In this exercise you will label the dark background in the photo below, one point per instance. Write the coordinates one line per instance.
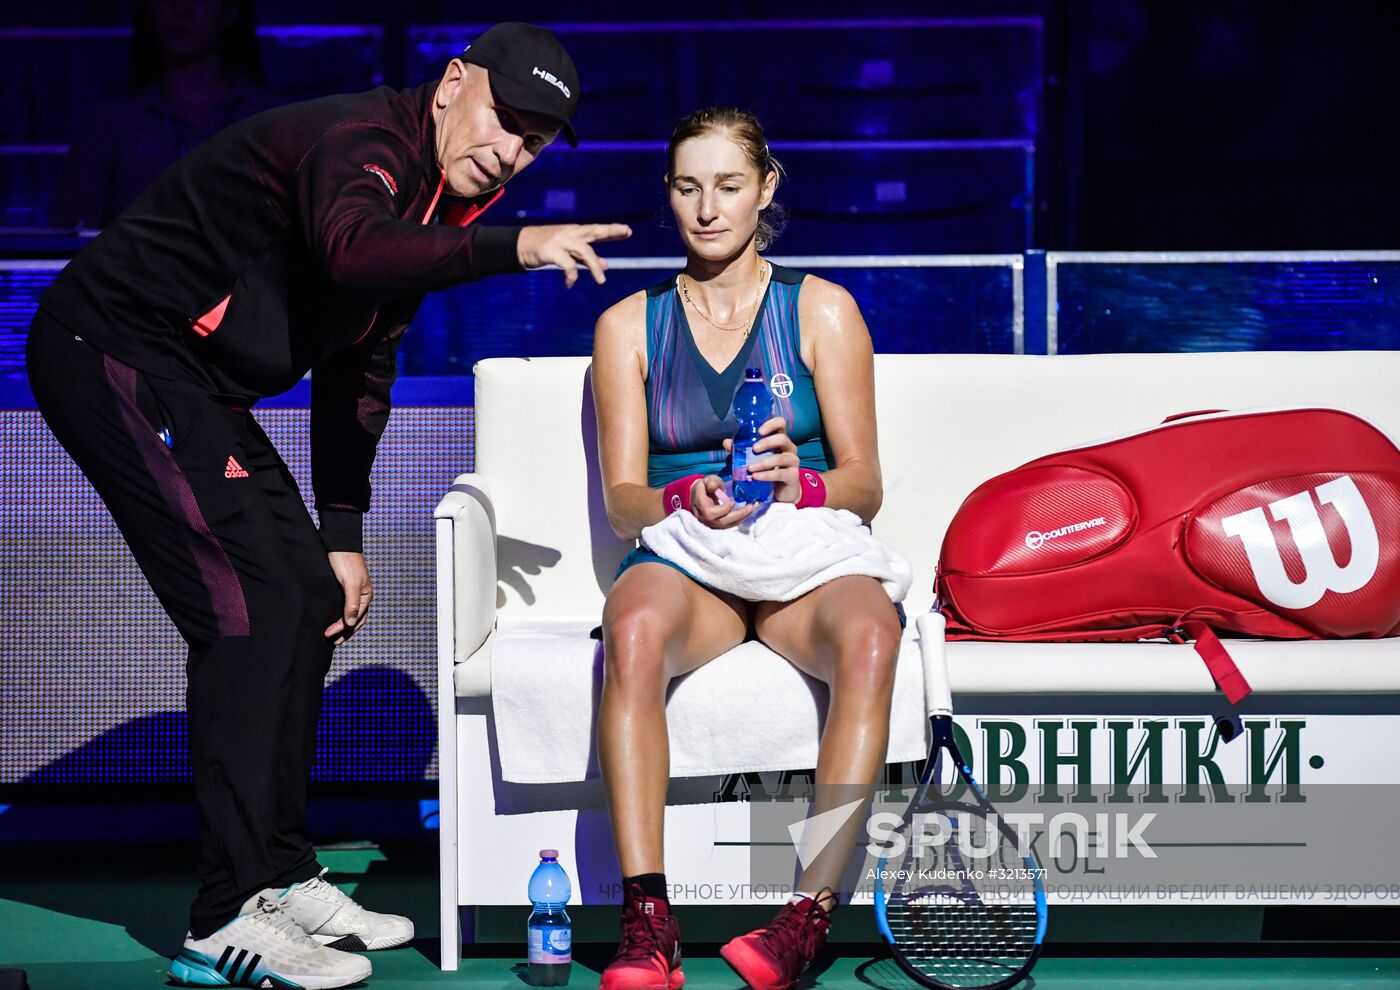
(1157, 125)
(1231, 125)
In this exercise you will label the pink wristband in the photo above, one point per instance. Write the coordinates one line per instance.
(677, 494)
(813, 489)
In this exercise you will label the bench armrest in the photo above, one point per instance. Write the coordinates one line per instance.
(465, 524)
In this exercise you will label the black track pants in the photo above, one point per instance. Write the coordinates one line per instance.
(219, 528)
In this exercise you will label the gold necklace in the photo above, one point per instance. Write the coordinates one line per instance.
(753, 310)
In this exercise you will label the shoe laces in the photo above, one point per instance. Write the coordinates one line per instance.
(270, 915)
(799, 927)
(323, 890)
(641, 932)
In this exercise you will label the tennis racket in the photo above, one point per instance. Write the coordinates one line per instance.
(962, 904)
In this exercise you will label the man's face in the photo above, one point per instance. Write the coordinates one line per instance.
(481, 143)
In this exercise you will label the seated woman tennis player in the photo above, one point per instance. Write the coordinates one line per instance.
(666, 365)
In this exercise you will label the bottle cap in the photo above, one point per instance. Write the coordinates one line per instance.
(753, 373)
(549, 854)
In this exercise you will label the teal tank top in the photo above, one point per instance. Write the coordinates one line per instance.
(690, 404)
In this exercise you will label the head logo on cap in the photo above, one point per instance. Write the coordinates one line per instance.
(549, 78)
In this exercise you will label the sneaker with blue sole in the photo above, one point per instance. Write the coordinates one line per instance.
(264, 948)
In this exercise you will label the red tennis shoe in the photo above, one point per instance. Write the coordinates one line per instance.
(773, 958)
(649, 957)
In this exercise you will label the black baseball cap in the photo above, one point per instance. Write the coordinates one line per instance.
(529, 70)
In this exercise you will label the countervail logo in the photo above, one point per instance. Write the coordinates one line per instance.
(1036, 539)
(550, 78)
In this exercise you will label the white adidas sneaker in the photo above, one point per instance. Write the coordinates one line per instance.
(265, 948)
(333, 919)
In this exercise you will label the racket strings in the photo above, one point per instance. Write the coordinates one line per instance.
(961, 917)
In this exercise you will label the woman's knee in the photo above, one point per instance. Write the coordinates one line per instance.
(867, 650)
(636, 639)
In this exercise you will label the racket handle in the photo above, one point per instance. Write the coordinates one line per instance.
(938, 695)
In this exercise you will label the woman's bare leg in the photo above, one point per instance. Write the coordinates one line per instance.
(846, 633)
(657, 624)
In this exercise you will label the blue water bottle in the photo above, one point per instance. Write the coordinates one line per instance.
(753, 406)
(551, 934)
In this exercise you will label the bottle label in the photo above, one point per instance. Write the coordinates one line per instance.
(754, 490)
(550, 944)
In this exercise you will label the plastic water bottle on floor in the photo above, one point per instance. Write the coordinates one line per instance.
(753, 406)
(550, 936)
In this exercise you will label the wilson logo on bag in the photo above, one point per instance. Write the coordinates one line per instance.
(1272, 523)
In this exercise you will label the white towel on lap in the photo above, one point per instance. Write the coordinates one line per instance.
(779, 553)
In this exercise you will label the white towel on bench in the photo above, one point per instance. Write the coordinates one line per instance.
(546, 679)
(779, 553)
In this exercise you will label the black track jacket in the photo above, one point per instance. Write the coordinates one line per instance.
(300, 239)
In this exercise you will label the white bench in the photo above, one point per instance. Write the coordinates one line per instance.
(525, 540)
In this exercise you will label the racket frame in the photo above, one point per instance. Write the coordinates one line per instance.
(938, 701)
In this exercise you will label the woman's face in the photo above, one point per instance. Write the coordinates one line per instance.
(716, 196)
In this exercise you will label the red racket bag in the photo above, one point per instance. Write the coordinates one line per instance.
(1279, 523)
